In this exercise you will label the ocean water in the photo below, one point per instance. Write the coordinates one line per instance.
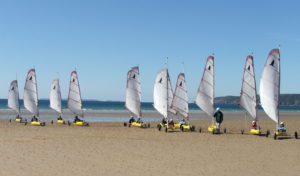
(119, 106)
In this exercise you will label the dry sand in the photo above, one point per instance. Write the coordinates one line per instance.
(111, 149)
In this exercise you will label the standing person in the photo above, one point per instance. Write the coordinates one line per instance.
(218, 117)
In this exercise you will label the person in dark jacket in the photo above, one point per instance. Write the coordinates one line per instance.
(218, 117)
(34, 119)
(131, 119)
(76, 119)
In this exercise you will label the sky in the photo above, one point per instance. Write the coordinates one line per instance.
(102, 40)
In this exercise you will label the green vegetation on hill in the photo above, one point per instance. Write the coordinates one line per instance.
(285, 99)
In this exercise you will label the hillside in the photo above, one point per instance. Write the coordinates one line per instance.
(285, 99)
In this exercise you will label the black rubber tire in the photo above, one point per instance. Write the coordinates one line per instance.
(125, 124)
(200, 130)
(159, 128)
(181, 128)
(213, 132)
(193, 128)
(296, 135)
(275, 136)
(242, 132)
(166, 130)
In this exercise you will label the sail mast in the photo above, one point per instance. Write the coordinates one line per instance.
(279, 82)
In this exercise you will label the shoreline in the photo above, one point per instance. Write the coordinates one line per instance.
(148, 116)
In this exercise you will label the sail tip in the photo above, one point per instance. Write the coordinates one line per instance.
(210, 58)
(181, 75)
(31, 70)
(14, 81)
(250, 57)
(276, 50)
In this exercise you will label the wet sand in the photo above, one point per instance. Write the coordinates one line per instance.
(112, 149)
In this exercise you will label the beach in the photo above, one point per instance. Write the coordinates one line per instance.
(109, 148)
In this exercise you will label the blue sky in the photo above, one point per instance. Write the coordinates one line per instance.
(103, 39)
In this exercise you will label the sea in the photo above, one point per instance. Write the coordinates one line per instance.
(148, 106)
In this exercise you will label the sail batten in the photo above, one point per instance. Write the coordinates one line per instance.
(74, 97)
(133, 92)
(31, 94)
(13, 100)
(163, 93)
(270, 85)
(55, 96)
(180, 98)
(205, 93)
(248, 91)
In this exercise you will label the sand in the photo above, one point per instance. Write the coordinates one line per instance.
(111, 149)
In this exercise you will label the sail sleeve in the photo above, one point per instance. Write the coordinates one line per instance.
(248, 92)
(133, 92)
(13, 96)
(205, 94)
(55, 96)
(180, 99)
(74, 98)
(270, 85)
(30, 93)
(162, 93)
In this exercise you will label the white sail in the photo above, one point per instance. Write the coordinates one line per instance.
(55, 96)
(248, 92)
(270, 85)
(205, 94)
(133, 92)
(74, 98)
(163, 94)
(180, 100)
(13, 97)
(31, 94)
